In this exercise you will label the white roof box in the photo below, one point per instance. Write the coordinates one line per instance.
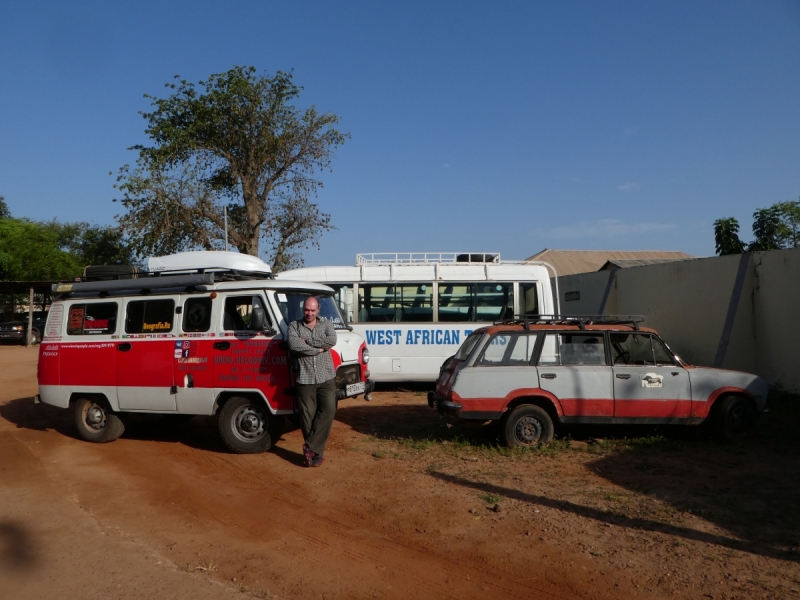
(208, 260)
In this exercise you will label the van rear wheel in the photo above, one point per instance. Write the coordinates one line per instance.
(247, 427)
(95, 422)
(526, 426)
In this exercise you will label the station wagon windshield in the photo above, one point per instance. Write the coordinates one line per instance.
(292, 308)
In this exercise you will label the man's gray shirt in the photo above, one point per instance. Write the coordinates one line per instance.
(304, 342)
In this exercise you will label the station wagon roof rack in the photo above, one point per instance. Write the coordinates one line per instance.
(580, 320)
(410, 258)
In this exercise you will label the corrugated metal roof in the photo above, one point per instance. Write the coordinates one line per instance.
(569, 262)
(618, 263)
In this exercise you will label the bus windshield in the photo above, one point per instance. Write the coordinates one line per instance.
(292, 308)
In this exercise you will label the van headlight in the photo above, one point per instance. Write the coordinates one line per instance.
(365, 355)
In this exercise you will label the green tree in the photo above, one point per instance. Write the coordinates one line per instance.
(32, 251)
(790, 222)
(235, 140)
(767, 229)
(4, 212)
(726, 237)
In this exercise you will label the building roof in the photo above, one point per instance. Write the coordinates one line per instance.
(570, 262)
(619, 263)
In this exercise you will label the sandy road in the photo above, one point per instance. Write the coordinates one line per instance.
(166, 512)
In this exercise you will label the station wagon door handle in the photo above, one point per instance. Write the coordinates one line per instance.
(548, 375)
(124, 347)
(222, 345)
(623, 376)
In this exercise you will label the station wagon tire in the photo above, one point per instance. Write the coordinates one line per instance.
(247, 426)
(734, 418)
(95, 421)
(526, 426)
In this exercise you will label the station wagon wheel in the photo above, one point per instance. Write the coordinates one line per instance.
(247, 426)
(527, 425)
(735, 418)
(96, 422)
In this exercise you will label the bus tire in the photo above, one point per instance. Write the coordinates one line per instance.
(526, 426)
(95, 421)
(247, 427)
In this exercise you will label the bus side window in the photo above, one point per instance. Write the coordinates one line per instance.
(530, 299)
(409, 303)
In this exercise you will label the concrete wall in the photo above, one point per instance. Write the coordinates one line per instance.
(738, 312)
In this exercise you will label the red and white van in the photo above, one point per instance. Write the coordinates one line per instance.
(203, 333)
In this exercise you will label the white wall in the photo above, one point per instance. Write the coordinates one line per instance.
(688, 302)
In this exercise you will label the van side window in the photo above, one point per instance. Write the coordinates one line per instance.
(197, 315)
(92, 319)
(239, 309)
(150, 316)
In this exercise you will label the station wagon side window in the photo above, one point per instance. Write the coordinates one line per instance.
(239, 310)
(568, 349)
(508, 349)
(638, 349)
(150, 316)
(197, 314)
(661, 354)
(92, 318)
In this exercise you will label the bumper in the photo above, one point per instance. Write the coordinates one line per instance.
(369, 387)
(442, 405)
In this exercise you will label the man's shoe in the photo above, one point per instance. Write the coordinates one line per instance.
(308, 455)
(317, 460)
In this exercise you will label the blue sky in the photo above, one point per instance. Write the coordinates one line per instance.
(503, 127)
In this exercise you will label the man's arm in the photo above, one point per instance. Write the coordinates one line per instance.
(329, 340)
(297, 344)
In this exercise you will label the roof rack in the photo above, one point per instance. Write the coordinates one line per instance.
(580, 320)
(407, 258)
(138, 284)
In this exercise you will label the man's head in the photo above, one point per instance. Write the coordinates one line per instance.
(310, 310)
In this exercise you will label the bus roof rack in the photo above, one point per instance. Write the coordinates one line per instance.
(580, 320)
(408, 258)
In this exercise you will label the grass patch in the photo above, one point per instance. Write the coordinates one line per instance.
(491, 498)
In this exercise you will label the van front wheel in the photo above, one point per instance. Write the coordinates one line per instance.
(95, 422)
(247, 427)
(527, 425)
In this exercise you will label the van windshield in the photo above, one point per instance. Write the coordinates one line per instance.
(292, 308)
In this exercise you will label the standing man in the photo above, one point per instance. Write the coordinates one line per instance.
(311, 340)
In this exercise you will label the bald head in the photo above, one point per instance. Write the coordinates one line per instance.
(310, 310)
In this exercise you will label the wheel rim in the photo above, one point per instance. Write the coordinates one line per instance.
(528, 430)
(94, 417)
(249, 424)
(739, 418)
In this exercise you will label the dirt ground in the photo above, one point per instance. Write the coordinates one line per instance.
(404, 507)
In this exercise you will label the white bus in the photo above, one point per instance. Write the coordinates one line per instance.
(415, 309)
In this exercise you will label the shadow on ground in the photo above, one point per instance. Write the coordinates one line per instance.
(198, 432)
(750, 489)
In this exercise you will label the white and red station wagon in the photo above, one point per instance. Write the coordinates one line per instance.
(202, 333)
(535, 374)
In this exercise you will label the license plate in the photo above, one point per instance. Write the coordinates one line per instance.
(355, 388)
